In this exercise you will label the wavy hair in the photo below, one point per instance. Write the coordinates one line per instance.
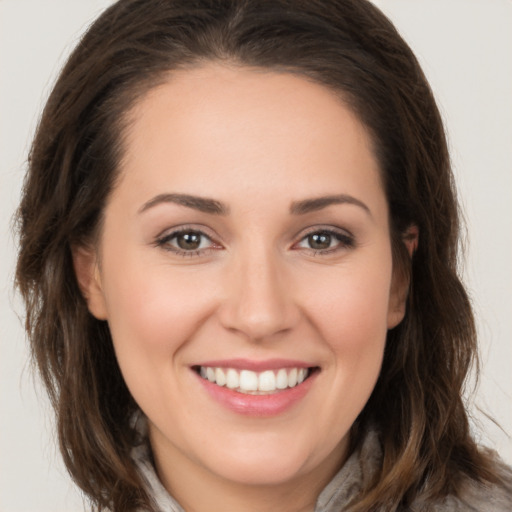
(348, 46)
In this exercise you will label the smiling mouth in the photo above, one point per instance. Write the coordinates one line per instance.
(255, 383)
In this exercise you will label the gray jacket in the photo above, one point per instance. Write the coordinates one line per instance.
(348, 482)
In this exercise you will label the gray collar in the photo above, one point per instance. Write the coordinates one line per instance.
(345, 485)
(355, 474)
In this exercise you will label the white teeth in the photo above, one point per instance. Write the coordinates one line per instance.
(232, 380)
(247, 381)
(267, 381)
(282, 379)
(210, 374)
(220, 377)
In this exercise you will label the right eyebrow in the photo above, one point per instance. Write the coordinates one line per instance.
(203, 204)
(318, 203)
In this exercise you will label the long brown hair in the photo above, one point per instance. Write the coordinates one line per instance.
(346, 45)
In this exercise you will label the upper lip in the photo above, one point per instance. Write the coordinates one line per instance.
(254, 365)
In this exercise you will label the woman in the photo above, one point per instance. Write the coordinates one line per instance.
(238, 255)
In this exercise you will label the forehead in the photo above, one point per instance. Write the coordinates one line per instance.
(221, 126)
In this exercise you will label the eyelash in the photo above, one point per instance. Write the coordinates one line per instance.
(344, 239)
(165, 242)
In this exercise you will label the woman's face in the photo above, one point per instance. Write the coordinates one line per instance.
(246, 248)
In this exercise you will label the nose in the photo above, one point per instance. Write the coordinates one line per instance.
(259, 300)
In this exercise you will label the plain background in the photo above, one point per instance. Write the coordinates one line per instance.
(465, 47)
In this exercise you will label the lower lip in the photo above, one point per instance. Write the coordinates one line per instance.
(258, 405)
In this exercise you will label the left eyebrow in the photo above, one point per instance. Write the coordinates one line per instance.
(319, 203)
(203, 204)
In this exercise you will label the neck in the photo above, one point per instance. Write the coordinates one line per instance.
(197, 489)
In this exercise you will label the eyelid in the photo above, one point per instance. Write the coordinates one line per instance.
(323, 228)
(346, 238)
(180, 228)
(162, 240)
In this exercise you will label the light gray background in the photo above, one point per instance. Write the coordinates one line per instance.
(465, 47)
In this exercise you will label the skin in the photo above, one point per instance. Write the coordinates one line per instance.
(257, 142)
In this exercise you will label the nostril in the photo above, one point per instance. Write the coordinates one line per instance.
(257, 301)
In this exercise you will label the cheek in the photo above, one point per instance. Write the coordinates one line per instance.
(350, 307)
(351, 317)
(352, 321)
(152, 313)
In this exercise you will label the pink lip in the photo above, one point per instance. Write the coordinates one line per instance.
(257, 405)
(256, 366)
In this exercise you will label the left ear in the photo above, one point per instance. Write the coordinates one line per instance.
(85, 262)
(401, 280)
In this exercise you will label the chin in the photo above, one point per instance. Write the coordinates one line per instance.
(261, 463)
(266, 471)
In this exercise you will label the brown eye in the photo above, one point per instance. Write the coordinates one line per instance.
(186, 242)
(319, 241)
(326, 241)
(189, 241)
